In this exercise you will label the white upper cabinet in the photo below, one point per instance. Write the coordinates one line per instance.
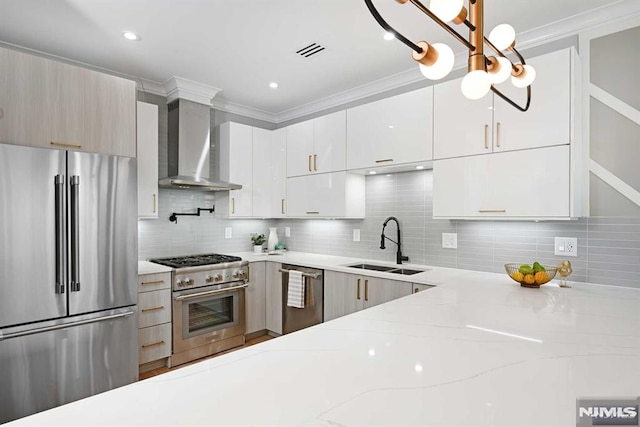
(261, 173)
(391, 131)
(317, 146)
(46, 103)
(236, 160)
(463, 127)
(147, 154)
(326, 195)
(279, 173)
(524, 184)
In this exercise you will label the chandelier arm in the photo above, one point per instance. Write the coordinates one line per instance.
(469, 25)
(513, 49)
(443, 24)
(499, 52)
(390, 29)
(513, 104)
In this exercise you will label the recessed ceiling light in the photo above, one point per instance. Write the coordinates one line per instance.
(130, 35)
(419, 167)
(389, 36)
(273, 85)
(372, 172)
(391, 126)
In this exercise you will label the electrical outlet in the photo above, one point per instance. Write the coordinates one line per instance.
(356, 234)
(287, 232)
(565, 246)
(228, 233)
(450, 240)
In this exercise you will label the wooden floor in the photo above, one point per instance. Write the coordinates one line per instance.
(159, 371)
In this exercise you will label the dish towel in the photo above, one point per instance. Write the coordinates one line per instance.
(295, 295)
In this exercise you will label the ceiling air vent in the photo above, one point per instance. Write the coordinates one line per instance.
(310, 50)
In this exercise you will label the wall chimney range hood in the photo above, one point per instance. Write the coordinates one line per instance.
(189, 149)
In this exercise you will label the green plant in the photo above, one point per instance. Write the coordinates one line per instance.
(258, 239)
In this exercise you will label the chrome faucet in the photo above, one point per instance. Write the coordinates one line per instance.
(399, 256)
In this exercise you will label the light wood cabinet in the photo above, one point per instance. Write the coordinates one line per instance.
(327, 195)
(317, 146)
(525, 184)
(347, 293)
(392, 131)
(255, 297)
(147, 155)
(274, 297)
(463, 127)
(45, 103)
(154, 320)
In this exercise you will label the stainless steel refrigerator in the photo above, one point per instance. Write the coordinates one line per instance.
(68, 277)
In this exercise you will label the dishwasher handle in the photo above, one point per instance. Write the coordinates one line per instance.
(311, 275)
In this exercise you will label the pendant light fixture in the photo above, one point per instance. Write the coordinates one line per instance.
(437, 60)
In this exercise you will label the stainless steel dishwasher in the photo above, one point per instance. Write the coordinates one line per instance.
(294, 319)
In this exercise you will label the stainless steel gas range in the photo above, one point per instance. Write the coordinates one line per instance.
(208, 304)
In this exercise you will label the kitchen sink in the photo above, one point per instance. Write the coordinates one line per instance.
(386, 269)
(372, 267)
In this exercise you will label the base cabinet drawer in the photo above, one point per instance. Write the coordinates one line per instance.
(153, 282)
(154, 343)
(155, 308)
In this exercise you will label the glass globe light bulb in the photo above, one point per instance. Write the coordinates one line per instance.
(526, 78)
(502, 36)
(447, 10)
(503, 72)
(442, 66)
(475, 84)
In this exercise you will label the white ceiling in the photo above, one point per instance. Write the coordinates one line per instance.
(240, 46)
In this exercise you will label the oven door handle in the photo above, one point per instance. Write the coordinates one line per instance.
(208, 293)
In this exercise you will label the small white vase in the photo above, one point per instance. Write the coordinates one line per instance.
(257, 249)
(273, 239)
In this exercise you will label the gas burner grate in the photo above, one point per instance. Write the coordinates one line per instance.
(195, 260)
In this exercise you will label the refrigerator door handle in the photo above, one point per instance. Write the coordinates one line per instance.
(65, 325)
(59, 230)
(75, 233)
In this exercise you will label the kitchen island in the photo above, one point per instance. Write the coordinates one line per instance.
(476, 350)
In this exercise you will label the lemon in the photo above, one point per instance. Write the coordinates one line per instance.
(529, 279)
(517, 276)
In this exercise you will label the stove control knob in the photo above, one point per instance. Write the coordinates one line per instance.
(217, 278)
(209, 279)
(188, 281)
(180, 282)
(238, 274)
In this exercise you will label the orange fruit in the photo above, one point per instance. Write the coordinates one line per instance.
(517, 276)
(529, 279)
(541, 277)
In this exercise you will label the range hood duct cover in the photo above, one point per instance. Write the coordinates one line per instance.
(189, 149)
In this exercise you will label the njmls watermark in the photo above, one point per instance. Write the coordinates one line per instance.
(607, 412)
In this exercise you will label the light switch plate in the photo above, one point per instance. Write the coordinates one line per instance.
(565, 246)
(356, 234)
(228, 233)
(450, 240)
(287, 232)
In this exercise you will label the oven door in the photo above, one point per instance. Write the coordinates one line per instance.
(204, 315)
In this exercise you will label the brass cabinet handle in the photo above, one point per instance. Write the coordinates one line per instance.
(358, 291)
(153, 344)
(310, 170)
(498, 134)
(384, 160)
(366, 290)
(66, 144)
(282, 206)
(315, 162)
(416, 290)
(313, 213)
(154, 203)
(233, 205)
(486, 137)
(145, 310)
(155, 282)
(492, 210)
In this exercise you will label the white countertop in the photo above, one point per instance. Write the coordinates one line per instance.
(418, 360)
(146, 267)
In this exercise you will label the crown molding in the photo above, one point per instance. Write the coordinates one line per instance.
(151, 86)
(179, 87)
(243, 110)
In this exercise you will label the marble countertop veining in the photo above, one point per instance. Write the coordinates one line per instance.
(479, 350)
